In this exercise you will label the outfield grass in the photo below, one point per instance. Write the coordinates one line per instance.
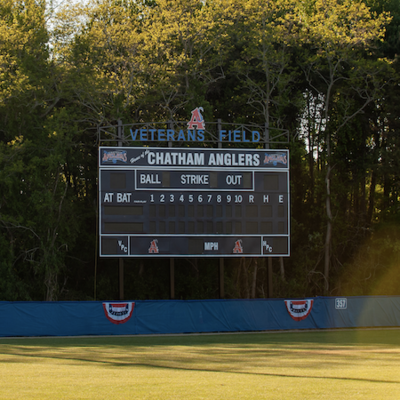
(351, 364)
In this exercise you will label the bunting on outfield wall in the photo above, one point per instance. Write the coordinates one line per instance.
(299, 309)
(77, 318)
(118, 313)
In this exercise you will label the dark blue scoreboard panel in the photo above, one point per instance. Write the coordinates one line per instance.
(171, 202)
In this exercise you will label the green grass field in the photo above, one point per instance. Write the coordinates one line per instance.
(351, 364)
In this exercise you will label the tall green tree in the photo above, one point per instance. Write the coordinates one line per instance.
(37, 215)
(269, 31)
(186, 41)
(337, 33)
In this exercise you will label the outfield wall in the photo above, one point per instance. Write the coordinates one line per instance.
(174, 316)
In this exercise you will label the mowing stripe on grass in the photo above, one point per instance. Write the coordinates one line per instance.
(350, 364)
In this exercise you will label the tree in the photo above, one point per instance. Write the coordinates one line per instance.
(186, 41)
(269, 31)
(336, 32)
(37, 217)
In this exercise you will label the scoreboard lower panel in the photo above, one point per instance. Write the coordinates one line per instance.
(193, 202)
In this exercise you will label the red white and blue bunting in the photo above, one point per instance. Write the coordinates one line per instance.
(299, 309)
(118, 313)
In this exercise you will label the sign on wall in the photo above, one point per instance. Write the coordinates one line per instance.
(181, 202)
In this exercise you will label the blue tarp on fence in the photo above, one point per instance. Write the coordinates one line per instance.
(173, 316)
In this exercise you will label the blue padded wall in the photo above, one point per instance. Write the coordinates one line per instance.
(163, 317)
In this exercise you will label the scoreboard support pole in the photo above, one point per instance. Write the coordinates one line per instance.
(221, 279)
(269, 262)
(269, 272)
(221, 266)
(172, 278)
(121, 278)
(171, 260)
(120, 260)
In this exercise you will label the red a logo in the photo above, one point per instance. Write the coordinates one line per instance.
(238, 247)
(196, 119)
(153, 249)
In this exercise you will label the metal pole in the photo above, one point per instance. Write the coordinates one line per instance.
(121, 278)
(172, 278)
(171, 260)
(120, 260)
(269, 264)
(221, 260)
(221, 278)
(270, 286)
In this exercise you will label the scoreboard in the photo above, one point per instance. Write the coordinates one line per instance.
(193, 202)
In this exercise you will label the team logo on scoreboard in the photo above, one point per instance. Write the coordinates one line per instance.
(118, 313)
(196, 119)
(153, 249)
(275, 159)
(299, 309)
(114, 156)
(238, 249)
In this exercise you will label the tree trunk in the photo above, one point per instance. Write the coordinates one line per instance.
(328, 229)
(239, 272)
(371, 199)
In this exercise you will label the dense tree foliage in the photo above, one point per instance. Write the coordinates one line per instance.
(326, 70)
